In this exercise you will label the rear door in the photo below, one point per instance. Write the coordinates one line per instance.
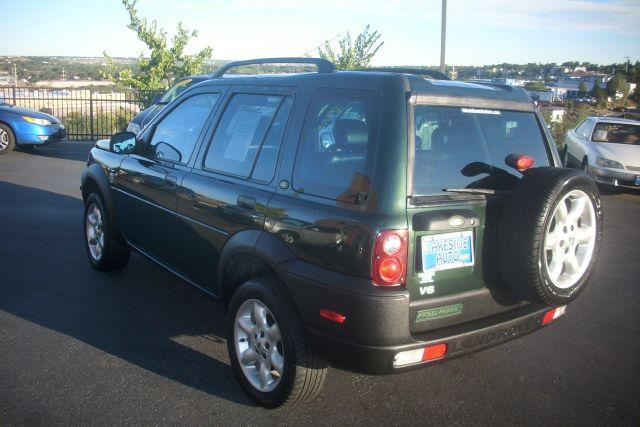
(452, 263)
(229, 189)
(147, 182)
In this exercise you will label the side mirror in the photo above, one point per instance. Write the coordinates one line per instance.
(123, 143)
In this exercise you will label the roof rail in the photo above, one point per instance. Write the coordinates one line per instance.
(436, 75)
(323, 65)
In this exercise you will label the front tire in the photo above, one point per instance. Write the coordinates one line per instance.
(103, 249)
(267, 347)
(7, 139)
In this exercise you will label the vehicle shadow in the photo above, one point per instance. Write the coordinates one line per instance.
(140, 314)
(77, 150)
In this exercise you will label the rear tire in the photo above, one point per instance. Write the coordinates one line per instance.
(269, 353)
(102, 246)
(549, 235)
(7, 139)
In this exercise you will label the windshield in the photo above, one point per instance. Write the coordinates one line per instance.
(175, 90)
(467, 147)
(617, 133)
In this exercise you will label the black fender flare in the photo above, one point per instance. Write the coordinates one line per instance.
(257, 243)
(96, 175)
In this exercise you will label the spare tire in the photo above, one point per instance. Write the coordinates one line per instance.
(549, 235)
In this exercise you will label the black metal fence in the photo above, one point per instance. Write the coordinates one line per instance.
(88, 114)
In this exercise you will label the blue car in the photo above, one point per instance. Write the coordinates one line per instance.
(145, 116)
(25, 127)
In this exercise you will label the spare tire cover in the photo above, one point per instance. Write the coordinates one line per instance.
(549, 235)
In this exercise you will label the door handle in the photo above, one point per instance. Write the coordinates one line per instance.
(170, 180)
(246, 202)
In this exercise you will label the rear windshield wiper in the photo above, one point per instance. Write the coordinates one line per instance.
(486, 191)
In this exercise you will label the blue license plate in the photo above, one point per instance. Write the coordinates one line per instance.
(447, 251)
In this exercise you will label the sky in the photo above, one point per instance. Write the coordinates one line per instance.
(479, 32)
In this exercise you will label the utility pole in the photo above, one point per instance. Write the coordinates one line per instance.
(626, 68)
(443, 34)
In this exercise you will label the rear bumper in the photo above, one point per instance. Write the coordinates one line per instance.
(378, 326)
(460, 340)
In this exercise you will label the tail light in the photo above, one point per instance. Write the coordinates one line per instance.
(519, 162)
(553, 314)
(389, 259)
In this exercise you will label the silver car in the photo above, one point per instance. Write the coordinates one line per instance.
(606, 148)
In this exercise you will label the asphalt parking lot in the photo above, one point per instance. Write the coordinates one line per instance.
(78, 346)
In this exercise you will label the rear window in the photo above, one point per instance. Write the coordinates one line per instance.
(467, 147)
(617, 133)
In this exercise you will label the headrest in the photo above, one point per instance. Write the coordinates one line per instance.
(349, 133)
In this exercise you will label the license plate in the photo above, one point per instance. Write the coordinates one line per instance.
(637, 179)
(447, 251)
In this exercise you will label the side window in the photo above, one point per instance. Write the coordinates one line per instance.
(175, 136)
(335, 155)
(240, 133)
(583, 129)
(266, 163)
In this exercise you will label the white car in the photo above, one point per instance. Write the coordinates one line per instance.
(606, 148)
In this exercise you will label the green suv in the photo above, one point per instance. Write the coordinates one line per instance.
(380, 220)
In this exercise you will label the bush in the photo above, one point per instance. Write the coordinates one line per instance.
(104, 124)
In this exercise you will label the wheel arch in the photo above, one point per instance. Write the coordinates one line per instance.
(94, 180)
(13, 131)
(249, 254)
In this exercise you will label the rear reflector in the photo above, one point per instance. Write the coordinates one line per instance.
(552, 315)
(332, 315)
(427, 354)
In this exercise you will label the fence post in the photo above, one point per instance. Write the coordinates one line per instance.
(91, 113)
(14, 93)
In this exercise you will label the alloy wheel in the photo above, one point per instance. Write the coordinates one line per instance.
(4, 139)
(259, 345)
(570, 238)
(94, 231)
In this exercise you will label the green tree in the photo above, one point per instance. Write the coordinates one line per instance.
(599, 94)
(617, 84)
(353, 54)
(165, 63)
(535, 86)
(582, 88)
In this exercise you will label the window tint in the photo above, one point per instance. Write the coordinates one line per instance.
(177, 133)
(240, 132)
(617, 133)
(466, 148)
(337, 146)
(266, 162)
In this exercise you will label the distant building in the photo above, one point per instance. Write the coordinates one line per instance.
(540, 96)
(557, 113)
(5, 79)
(567, 85)
(73, 83)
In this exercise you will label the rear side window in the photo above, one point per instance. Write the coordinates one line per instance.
(335, 154)
(241, 133)
(175, 136)
(466, 148)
